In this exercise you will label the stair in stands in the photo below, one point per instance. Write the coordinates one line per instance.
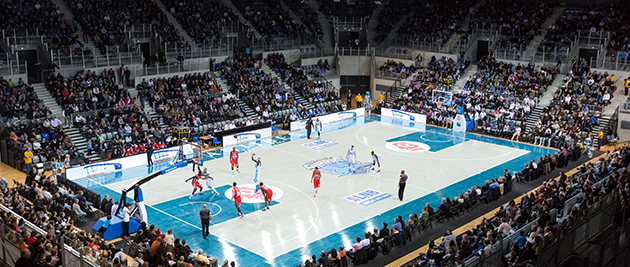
(80, 142)
(305, 102)
(329, 38)
(241, 18)
(394, 32)
(70, 19)
(533, 117)
(175, 23)
(463, 77)
(48, 99)
(533, 45)
(293, 16)
(371, 27)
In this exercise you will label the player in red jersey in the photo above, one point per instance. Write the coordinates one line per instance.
(234, 159)
(195, 183)
(236, 195)
(267, 194)
(315, 180)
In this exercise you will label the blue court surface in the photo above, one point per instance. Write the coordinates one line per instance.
(439, 163)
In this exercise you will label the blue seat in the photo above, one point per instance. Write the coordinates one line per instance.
(45, 136)
(215, 141)
(196, 139)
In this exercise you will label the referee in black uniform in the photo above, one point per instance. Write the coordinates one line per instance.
(205, 217)
(149, 153)
(309, 127)
(401, 184)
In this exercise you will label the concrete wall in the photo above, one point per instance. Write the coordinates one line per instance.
(16, 77)
(289, 55)
(313, 61)
(355, 65)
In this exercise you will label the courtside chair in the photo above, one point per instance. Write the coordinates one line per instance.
(215, 141)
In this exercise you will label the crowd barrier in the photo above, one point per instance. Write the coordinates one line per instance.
(415, 117)
(10, 243)
(330, 118)
(120, 164)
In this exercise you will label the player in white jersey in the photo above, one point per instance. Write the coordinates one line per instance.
(376, 160)
(258, 163)
(209, 179)
(318, 128)
(351, 157)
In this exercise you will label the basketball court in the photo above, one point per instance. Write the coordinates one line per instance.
(439, 164)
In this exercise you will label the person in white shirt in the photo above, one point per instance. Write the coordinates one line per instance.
(125, 221)
(516, 134)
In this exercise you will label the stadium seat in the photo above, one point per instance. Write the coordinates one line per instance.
(215, 141)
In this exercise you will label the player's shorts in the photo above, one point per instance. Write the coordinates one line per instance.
(237, 202)
(197, 184)
(351, 159)
(209, 182)
(234, 162)
(316, 183)
(269, 195)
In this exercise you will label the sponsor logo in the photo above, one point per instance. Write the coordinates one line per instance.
(401, 114)
(100, 168)
(367, 197)
(408, 146)
(243, 137)
(163, 154)
(346, 115)
(338, 165)
(249, 194)
(319, 144)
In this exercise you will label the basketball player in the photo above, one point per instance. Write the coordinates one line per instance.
(236, 195)
(317, 175)
(267, 194)
(234, 159)
(195, 183)
(376, 160)
(258, 163)
(351, 157)
(318, 128)
(206, 175)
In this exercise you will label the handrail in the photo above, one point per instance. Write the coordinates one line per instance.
(66, 248)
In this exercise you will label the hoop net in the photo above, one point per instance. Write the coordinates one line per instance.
(191, 152)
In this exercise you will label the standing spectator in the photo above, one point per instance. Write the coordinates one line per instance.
(205, 217)
(149, 153)
(401, 184)
(349, 99)
(28, 159)
(125, 221)
(358, 99)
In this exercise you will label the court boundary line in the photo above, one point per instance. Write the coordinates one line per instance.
(434, 158)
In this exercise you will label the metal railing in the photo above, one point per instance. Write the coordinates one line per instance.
(188, 65)
(349, 23)
(539, 57)
(13, 67)
(90, 58)
(10, 252)
(596, 39)
(26, 37)
(282, 44)
(425, 44)
(212, 51)
(143, 31)
(395, 52)
(349, 51)
(611, 63)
